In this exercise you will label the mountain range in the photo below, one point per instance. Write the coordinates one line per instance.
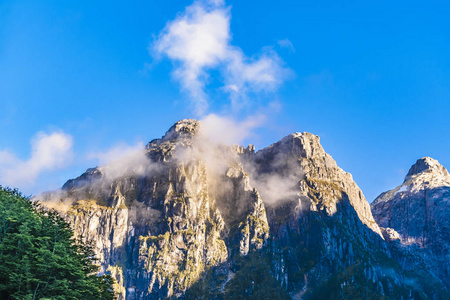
(189, 218)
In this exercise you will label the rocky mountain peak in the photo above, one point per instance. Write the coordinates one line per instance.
(428, 166)
(303, 144)
(180, 135)
(295, 145)
(186, 128)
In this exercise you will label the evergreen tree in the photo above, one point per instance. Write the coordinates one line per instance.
(40, 258)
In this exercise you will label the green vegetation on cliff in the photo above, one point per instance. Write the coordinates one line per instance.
(39, 257)
(254, 280)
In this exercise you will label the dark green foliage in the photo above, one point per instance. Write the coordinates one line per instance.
(348, 284)
(39, 257)
(254, 280)
(352, 284)
(209, 285)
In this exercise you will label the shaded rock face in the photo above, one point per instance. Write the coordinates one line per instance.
(320, 180)
(187, 218)
(417, 214)
(324, 242)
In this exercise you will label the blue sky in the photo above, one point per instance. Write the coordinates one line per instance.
(81, 82)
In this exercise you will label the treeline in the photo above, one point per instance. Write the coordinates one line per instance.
(40, 258)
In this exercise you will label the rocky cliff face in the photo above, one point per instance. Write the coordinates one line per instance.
(415, 217)
(187, 218)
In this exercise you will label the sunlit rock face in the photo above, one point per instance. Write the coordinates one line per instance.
(186, 218)
(419, 212)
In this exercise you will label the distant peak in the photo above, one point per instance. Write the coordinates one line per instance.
(426, 165)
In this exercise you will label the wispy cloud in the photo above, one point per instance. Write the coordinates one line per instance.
(123, 159)
(114, 153)
(286, 43)
(199, 40)
(227, 130)
(49, 152)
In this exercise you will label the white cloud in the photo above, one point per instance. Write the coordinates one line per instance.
(117, 152)
(123, 159)
(199, 40)
(226, 130)
(48, 152)
(196, 40)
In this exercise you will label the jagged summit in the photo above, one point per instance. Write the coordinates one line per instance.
(181, 134)
(184, 128)
(427, 173)
(299, 143)
(426, 165)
